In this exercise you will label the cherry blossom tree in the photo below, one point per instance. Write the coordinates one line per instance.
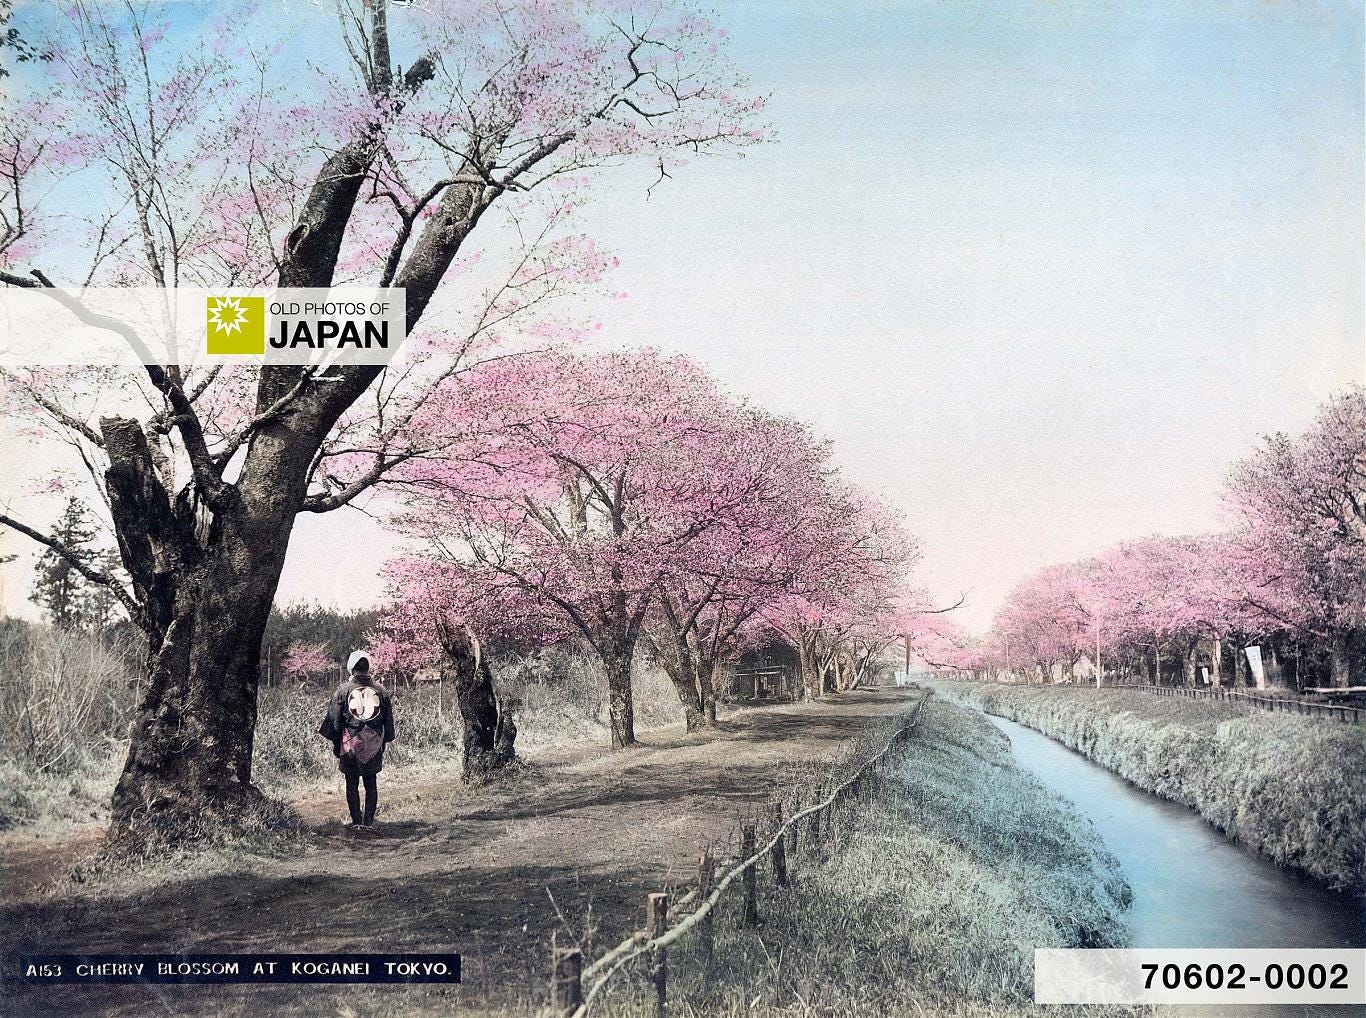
(440, 619)
(618, 497)
(1293, 570)
(853, 579)
(1165, 594)
(885, 618)
(756, 552)
(943, 643)
(1043, 621)
(1162, 596)
(1300, 546)
(578, 492)
(189, 171)
(306, 660)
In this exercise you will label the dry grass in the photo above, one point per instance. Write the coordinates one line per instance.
(68, 699)
(1292, 788)
(65, 702)
(939, 885)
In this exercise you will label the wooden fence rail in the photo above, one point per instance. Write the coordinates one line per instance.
(569, 975)
(1351, 715)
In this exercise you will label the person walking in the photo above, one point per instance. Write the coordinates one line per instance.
(359, 723)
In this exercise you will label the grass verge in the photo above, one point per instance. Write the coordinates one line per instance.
(929, 898)
(1288, 787)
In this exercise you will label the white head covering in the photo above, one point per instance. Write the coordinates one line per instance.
(357, 656)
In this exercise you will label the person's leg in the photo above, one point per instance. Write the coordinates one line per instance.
(371, 797)
(353, 796)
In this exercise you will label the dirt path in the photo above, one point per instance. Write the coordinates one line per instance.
(577, 836)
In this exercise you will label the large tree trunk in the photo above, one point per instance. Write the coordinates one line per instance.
(811, 673)
(706, 685)
(1216, 659)
(205, 563)
(616, 661)
(489, 731)
(208, 589)
(685, 670)
(1340, 660)
(694, 719)
(685, 685)
(699, 707)
(823, 681)
(1239, 665)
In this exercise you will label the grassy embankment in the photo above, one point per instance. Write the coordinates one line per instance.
(939, 885)
(1292, 788)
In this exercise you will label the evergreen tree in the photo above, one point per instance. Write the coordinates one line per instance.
(64, 595)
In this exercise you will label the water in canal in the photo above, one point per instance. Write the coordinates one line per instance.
(1192, 886)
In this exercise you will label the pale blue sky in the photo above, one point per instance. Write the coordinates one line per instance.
(1041, 270)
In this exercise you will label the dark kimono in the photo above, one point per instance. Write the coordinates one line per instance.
(359, 704)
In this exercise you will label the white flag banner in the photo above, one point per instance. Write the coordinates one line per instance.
(1254, 661)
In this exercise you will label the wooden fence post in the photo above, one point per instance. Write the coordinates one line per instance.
(792, 832)
(706, 883)
(566, 978)
(656, 925)
(751, 878)
(779, 852)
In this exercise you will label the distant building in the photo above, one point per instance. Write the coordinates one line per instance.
(770, 672)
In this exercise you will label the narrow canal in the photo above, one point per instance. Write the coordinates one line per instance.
(1192, 886)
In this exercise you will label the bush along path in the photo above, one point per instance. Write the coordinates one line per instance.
(1291, 788)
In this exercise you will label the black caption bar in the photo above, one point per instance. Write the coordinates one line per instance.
(96, 969)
